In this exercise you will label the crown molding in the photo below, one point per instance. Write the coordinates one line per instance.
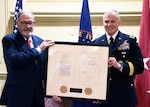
(126, 17)
(80, 0)
(76, 15)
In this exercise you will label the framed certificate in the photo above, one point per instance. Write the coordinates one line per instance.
(77, 71)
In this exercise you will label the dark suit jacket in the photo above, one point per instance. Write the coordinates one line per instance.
(122, 91)
(24, 77)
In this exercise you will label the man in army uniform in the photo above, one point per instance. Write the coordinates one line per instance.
(125, 62)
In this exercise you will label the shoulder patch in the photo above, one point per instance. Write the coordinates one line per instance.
(132, 36)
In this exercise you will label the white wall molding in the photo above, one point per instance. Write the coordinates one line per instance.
(75, 16)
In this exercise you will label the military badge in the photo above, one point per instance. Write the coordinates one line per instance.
(124, 46)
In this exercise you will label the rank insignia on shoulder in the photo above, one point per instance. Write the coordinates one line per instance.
(124, 46)
(132, 36)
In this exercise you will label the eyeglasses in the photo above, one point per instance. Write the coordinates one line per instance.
(24, 23)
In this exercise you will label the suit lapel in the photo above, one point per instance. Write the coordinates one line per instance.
(21, 43)
(104, 40)
(35, 41)
(118, 41)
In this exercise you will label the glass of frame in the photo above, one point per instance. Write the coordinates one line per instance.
(77, 71)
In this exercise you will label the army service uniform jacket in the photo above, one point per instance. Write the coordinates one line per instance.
(122, 91)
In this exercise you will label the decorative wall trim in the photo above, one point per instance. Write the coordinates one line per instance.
(81, 0)
(75, 16)
(68, 23)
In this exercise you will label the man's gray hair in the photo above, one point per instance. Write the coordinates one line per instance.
(22, 12)
(112, 12)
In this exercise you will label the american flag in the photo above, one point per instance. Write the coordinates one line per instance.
(18, 8)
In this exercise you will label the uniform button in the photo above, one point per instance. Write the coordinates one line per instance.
(110, 78)
(131, 85)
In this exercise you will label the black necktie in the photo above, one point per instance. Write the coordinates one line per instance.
(111, 41)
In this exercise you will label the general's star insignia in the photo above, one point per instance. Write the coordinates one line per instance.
(145, 63)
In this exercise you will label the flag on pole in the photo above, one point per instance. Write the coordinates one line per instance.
(143, 80)
(85, 31)
(18, 8)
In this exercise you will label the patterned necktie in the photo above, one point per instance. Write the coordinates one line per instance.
(30, 46)
(29, 42)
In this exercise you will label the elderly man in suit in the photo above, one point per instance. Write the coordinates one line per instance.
(25, 64)
(125, 62)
